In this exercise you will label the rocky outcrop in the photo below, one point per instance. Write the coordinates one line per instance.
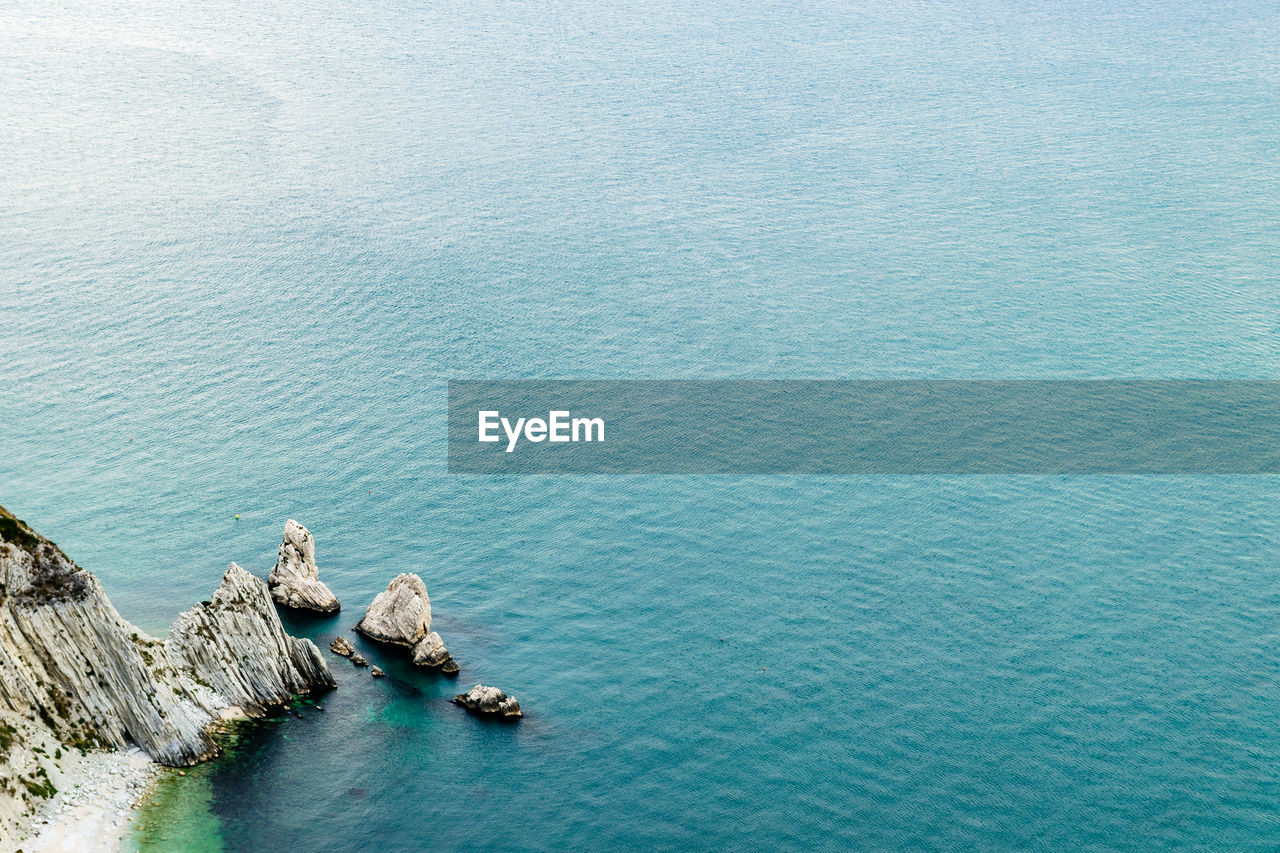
(235, 645)
(73, 672)
(68, 659)
(489, 702)
(432, 654)
(401, 616)
(377, 672)
(295, 580)
(342, 646)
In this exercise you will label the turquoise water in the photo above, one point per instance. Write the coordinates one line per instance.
(242, 250)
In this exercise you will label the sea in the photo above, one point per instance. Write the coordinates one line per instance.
(244, 247)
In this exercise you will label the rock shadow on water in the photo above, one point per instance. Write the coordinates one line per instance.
(278, 773)
(307, 623)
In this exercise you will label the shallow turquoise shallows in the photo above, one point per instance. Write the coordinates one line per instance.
(243, 247)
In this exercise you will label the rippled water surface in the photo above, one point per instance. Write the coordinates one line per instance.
(242, 248)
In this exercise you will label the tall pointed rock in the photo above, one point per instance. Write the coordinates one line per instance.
(295, 580)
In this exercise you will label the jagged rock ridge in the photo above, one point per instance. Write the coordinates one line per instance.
(235, 645)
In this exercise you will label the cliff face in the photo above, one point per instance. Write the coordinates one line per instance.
(75, 674)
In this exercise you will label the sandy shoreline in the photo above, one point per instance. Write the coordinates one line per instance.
(93, 809)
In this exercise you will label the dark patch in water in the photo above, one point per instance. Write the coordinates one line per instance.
(305, 623)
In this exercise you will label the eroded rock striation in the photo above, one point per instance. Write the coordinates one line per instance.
(401, 616)
(295, 580)
(75, 674)
(235, 645)
(489, 702)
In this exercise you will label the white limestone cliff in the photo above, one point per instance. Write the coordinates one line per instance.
(295, 580)
(75, 675)
(235, 645)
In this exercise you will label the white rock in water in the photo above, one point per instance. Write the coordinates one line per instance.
(295, 580)
(401, 615)
(432, 654)
(489, 701)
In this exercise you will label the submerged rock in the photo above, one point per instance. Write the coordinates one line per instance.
(295, 580)
(401, 615)
(489, 702)
(342, 646)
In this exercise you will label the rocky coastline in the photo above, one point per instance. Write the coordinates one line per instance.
(76, 678)
(91, 707)
(96, 804)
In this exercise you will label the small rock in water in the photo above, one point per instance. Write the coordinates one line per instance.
(489, 701)
(342, 646)
(432, 654)
(377, 672)
(358, 659)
